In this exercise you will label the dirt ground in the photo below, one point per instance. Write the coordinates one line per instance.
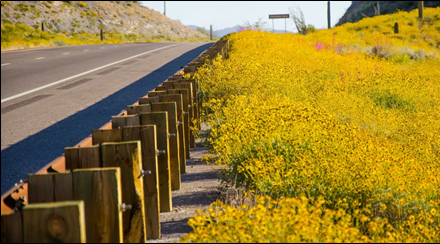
(199, 188)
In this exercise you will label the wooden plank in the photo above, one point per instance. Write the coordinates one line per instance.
(100, 189)
(160, 88)
(185, 99)
(148, 100)
(168, 84)
(137, 109)
(177, 98)
(82, 157)
(101, 136)
(147, 135)
(170, 108)
(52, 187)
(127, 156)
(61, 222)
(160, 119)
(127, 120)
(186, 116)
(156, 93)
(196, 102)
(12, 228)
(188, 86)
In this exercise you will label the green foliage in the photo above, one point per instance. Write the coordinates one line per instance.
(390, 100)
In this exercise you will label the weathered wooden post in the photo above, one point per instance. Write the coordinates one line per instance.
(186, 122)
(12, 228)
(160, 119)
(191, 106)
(170, 108)
(127, 156)
(128, 120)
(58, 222)
(82, 157)
(420, 6)
(137, 109)
(101, 136)
(177, 98)
(396, 28)
(46, 188)
(146, 134)
(100, 189)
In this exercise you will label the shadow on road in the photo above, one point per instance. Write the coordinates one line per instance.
(36, 151)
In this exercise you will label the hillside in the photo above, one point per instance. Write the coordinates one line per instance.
(127, 20)
(361, 9)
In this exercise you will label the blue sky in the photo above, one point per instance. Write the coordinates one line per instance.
(222, 14)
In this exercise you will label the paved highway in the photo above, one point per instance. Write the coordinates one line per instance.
(53, 98)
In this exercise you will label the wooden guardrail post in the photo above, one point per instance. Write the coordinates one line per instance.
(188, 86)
(128, 120)
(177, 98)
(127, 156)
(101, 136)
(82, 157)
(160, 120)
(160, 88)
(12, 228)
(156, 93)
(148, 100)
(100, 189)
(173, 135)
(60, 222)
(197, 106)
(185, 102)
(53, 187)
(137, 109)
(146, 134)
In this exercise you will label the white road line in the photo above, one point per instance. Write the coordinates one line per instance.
(65, 53)
(6, 64)
(40, 58)
(78, 75)
(86, 50)
(102, 47)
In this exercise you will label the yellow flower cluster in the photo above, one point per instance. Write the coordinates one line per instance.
(346, 144)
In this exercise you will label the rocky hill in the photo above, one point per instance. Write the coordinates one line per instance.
(361, 9)
(123, 17)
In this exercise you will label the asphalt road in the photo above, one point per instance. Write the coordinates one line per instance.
(53, 98)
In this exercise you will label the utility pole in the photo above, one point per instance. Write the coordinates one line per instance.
(328, 15)
(420, 6)
(164, 8)
(210, 32)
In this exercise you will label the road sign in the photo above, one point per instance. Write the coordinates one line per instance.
(278, 16)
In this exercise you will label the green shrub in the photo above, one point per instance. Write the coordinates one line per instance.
(389, 100)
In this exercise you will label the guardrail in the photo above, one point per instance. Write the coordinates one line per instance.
(112, 185)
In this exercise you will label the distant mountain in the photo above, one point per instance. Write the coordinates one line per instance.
(361, 9)
(225, 31)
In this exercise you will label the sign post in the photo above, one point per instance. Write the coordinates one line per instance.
(279, 16)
